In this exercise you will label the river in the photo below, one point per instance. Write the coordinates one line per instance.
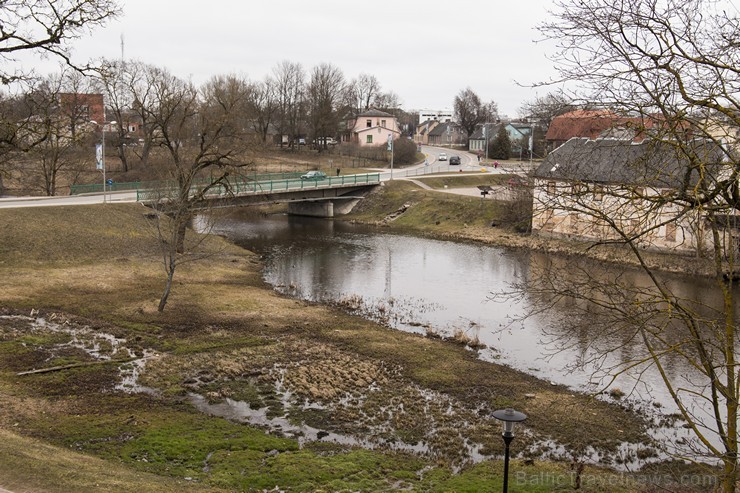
(447, 289)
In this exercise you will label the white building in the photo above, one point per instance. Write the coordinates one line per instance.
(435, 115)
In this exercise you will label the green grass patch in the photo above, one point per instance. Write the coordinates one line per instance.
(307, 471)
(465, 180)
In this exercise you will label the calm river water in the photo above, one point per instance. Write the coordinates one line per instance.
(425, 285)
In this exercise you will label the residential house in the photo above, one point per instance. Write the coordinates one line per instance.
(446, 134)
(371, 128)
(585, 184)
(483, 133)
(518, 134)
(421, 135)
(723, 129)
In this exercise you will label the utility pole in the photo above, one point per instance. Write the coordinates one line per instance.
(485, 138)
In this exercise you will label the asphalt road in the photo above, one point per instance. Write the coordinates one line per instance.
(86, 199)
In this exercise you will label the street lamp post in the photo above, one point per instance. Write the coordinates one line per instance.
(509, 417)
(485, 138)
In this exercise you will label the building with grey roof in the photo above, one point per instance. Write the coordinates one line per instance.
(608, 190)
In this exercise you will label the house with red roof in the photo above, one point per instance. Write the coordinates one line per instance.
(590, 124)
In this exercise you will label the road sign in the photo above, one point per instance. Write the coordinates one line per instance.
(98, 156)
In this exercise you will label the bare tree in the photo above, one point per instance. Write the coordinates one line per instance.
(470, 111)
(361, 92)
(290, 80)
(204, 139)
(324, 93)
(541, 110)
(387, 101)
(672, 68)
(53, 135)
(47, 27)
(114, 76)
(262, 106)
(141, 79)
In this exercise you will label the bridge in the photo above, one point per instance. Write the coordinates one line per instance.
(327, 197)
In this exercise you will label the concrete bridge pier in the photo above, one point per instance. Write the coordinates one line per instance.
(336, 206)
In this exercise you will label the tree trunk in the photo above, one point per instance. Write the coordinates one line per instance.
(167, 287)
(122, 157)
(182, 227)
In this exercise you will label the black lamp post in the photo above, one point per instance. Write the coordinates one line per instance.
(509, 417)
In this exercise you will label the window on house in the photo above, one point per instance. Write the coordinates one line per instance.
(670, 232)
(369, 123)
(551, 187)
(598, 193)
(574, 223)
(369, 139)
(382, 123)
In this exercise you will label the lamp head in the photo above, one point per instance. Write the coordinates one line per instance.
(509, 418)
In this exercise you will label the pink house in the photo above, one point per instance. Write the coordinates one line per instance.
(373, 127)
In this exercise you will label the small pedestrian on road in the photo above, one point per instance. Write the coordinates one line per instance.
(495, 164)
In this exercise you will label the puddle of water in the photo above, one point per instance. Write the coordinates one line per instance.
(98, 345)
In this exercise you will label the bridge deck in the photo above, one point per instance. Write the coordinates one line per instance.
(239, 188)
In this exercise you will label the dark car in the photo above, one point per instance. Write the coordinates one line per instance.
(455, 160)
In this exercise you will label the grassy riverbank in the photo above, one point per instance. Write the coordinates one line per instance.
(94, 270)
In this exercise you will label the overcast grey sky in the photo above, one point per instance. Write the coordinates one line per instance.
(424, 51)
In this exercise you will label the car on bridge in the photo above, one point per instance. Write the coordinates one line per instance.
(314, 176)
(454, 160)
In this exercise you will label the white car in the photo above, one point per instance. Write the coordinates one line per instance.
(442, 157)
(330, 141)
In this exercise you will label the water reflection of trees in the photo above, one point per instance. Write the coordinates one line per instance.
(627, 333)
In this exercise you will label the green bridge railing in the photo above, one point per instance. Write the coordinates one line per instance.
(109, 187)
(245, 186)
(144, 185)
